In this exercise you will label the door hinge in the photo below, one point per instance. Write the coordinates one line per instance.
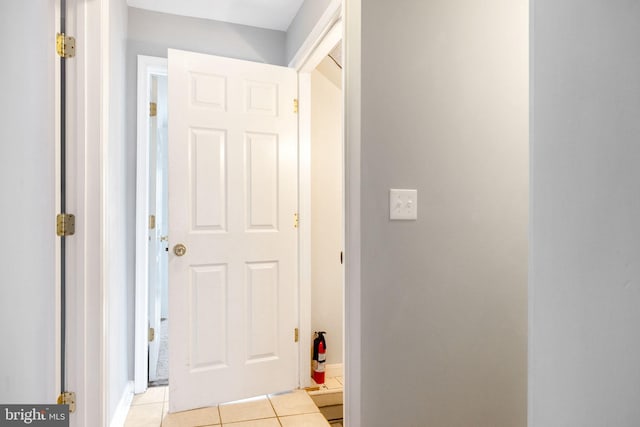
(68, 398)
(296, 335)
(152, 334)
(65, 225)
(296, 220)
(153, 109)
(65, 45)
(152, 222)
(295, 106)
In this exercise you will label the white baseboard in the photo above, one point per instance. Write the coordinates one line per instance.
(120, 414)
(333, 370)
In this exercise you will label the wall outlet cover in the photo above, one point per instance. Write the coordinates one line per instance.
(403, 204)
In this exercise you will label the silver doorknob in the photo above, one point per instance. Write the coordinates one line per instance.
(179, 249)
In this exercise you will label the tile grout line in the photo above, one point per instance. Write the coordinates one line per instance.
(274, 410)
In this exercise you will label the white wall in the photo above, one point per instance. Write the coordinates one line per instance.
(118, 262)
(585, 235)
(326, 213)
(27, 186)
(444, 298)
(302, 24)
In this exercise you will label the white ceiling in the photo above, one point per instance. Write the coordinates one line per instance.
(272, 14)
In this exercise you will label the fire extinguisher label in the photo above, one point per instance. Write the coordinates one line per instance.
(318, 366)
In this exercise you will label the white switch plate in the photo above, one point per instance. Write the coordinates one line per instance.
(403, 204)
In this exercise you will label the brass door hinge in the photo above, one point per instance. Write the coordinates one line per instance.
(152, 334)
(152, 222)
(296, 220)
(153, 109)
(296, 335)
(295, 106)
(65, 225)
(65, 45)
(68, 398)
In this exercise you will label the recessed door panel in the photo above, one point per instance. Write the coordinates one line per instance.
(262, 98)
(209, 179)
(262, 303)
(262, 181)
(208, 312)
(209, 91)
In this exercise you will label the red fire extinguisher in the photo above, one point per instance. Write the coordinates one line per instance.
(319, 357)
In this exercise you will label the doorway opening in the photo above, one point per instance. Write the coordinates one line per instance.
(327, 225)
(311, 319)
(151, 313)
(158, 233)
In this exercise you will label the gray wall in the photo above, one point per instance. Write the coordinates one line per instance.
(151, 33)
(27, 257)
(444, 298)
(585, 269)
(302, 24)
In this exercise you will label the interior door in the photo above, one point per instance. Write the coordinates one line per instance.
(233, 300)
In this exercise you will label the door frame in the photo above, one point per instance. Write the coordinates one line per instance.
(87, 104)
(87, 117)
(341, 20)
(329, 29)
(327, 33)
(351, 92)
(148, 66)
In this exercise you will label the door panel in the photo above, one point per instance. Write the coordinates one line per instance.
(209, 179)
(233, 196)
(262, 181)
(208, 291)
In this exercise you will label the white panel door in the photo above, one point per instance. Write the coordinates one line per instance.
(233, 299)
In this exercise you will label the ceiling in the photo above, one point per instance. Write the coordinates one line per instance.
(271, 14)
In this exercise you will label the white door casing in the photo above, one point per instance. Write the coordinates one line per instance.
(232, 200)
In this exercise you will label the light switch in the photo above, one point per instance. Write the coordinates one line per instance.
(403, 204)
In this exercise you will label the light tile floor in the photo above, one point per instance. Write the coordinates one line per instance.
(332, 383)
(327, 393)
(292, 409)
